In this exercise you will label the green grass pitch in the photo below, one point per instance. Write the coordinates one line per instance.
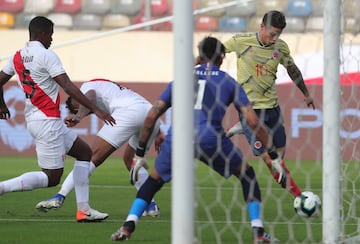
(111, 192)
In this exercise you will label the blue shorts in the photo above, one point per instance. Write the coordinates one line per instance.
(273, 120)
(224, 157)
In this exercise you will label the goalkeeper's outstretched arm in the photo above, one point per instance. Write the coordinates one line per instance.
(154, 113)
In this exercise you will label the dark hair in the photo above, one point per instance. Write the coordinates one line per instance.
(70, 106)
(211, 49)
(39, 24)
(274, 19)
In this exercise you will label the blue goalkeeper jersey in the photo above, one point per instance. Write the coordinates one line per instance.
(215, 90)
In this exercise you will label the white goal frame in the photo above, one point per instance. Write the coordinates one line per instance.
(331, 124)
(181, 233)
(182, 191)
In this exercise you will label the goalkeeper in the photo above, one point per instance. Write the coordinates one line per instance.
(129, 110)
(258, 56)
(216, 90)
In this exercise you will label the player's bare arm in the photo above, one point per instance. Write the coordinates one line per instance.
(154, 113)
(84, 111)
(73, 119)
(4, 78)
(4, 111)
(296, 76)
(73, 91)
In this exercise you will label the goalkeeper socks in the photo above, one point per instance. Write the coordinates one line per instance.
(137, 208)
(250, 186)
(143, 198)
(254, 210)
(149, 189)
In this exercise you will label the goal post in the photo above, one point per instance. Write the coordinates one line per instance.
(182, 221)
(331, 136)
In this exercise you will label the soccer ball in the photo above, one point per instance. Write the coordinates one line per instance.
(307, 204)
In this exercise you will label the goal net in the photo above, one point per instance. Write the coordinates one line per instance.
(221, 214)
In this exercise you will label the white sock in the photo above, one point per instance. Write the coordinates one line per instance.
(257, 223)
(132, 217)
(68, 184)
(81, 183)
(26, 182)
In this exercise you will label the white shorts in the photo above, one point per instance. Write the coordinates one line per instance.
(53, 141)
(129, 121)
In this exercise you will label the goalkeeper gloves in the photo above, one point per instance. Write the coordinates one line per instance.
(276, 166)
(138, 162)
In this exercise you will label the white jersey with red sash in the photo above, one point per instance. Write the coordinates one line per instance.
(35, 66)
(111, 95)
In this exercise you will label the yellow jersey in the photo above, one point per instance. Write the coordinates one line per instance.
(257, 66)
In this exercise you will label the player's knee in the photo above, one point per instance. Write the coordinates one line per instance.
(54, 176)
(54, 181)
(81, 150)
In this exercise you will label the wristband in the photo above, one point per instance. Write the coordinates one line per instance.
(140, 150)
(272, 152)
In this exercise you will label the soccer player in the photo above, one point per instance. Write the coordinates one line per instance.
(217, 90)
(129, 110)
(258, 57)
(40, 73)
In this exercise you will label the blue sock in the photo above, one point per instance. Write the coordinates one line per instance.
(254, 210)
(58, 195)
(138, 207)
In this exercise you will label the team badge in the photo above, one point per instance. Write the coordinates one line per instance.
(276, 54)
(257, 145)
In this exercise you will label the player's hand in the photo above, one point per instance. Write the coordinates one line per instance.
(138, 162)
(276, 166)
(235, 129)
(71, 120)
(106, 117)
(158, 141)
(310, 102)
(4, 112)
